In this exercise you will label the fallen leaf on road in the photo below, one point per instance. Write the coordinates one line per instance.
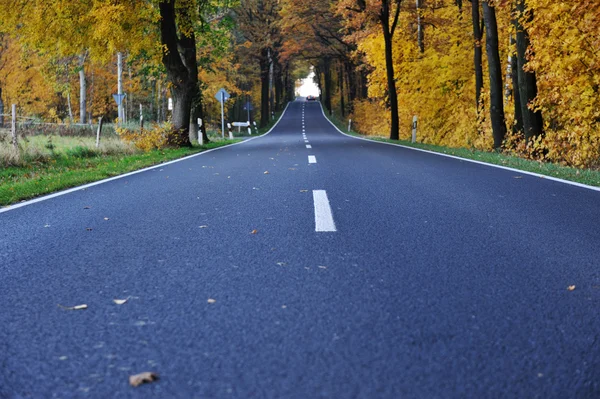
(322, 267)
(142, 378)
(47, 225)
(571, 288)
(303, 191)
(89, 229)
(121, 301)
(266, 172)
(87, 207)
(518, 177)
(254, 231)
(78, 307)
(204, 227)
(106, 219)
(210, 300)
(281, 263)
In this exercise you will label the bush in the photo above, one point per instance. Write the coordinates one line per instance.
(147, 140)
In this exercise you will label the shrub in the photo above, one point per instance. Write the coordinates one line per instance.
(147, 140)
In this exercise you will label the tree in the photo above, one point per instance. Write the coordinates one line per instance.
(495, 74)
(477, 53)
(385, 14)
(527, 81)
(258, 23)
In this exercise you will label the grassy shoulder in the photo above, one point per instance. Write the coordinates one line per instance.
(584, 176)
(66, 170)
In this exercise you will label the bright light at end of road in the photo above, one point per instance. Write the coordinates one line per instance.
(308, 87)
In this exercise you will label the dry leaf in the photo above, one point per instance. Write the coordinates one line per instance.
(518, 177)
(303, 191)
(106, 219)
(266, 172)
(78, 307)
(281, 263)
(322, 267)
(210, 300)
(89, 229)
(121, 301)
(142, 378)
(254, 231)
(204, 227)
(571, 288)
(87, 207)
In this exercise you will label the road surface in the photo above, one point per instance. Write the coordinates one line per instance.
(315, 266)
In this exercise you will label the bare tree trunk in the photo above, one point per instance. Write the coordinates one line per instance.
(341, 84)
(478, 53)
(420, 28)
(533, 124)
(82, 90)
(495, 71)
(327, 83)
(70, 108)
(182, 71)
(1, 108)
(518, 125)
(388, 35)
(264, 91)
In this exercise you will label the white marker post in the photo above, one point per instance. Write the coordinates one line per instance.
(414, 129)
(141, 117)
(200, 135)
(349, 125)
(230, 133)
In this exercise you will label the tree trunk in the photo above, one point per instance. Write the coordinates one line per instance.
(478, 53)
(278, 89)
(342, 94)
(420, 28)
(533, 123)
(182, 71)
(264, 88)
(70, 108)
(327, 83)
(1, 109)
(82, 90)
(518, 125)
(391, 81)
(495, 71)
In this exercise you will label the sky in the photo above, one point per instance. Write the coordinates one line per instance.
(308, 86)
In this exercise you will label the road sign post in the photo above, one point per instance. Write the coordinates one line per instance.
(222, 96)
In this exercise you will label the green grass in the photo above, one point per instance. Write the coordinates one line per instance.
(585, 176)
(73, 167)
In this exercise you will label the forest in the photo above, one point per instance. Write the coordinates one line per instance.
(517, 76)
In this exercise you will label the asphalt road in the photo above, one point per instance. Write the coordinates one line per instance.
(429, 277)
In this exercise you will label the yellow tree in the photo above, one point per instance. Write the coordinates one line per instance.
(370, 14)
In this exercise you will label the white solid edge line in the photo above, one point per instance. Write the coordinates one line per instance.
(96, 183)
(312, 159)
(323, 215)
(556, 179)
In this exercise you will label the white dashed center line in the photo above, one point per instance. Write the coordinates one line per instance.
(323, 215)
(312, 159)
(308, 146)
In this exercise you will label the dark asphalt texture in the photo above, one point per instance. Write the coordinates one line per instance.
(445, 279)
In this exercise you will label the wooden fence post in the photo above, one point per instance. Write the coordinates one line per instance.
(13, 129)
(99, 132)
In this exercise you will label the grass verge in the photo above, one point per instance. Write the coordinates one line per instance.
(64, 171)
(584, 176)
